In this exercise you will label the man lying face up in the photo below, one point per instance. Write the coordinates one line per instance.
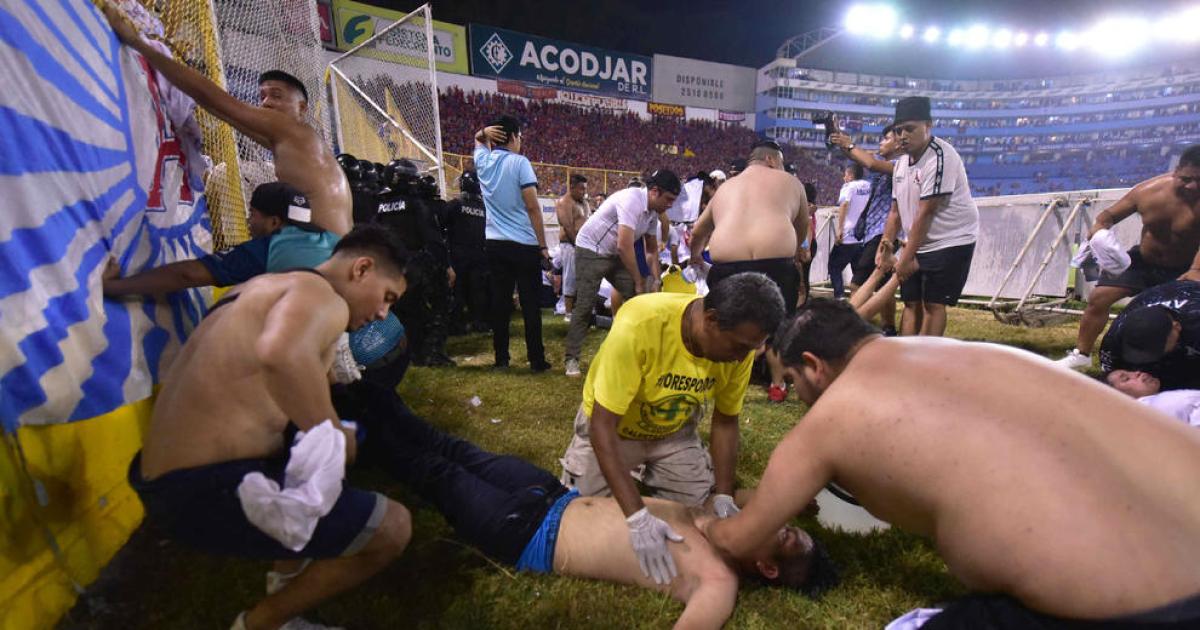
(1056, 499)
(522, 515)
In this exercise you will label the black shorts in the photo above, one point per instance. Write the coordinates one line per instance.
(782, 271)
(1001, 612)
(1141, 275)
(865, 265)
(941, 276)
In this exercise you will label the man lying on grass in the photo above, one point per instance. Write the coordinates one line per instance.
(522, 515)
(1059, 500)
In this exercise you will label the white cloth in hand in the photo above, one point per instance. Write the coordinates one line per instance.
(724, 506)
(312, 483)
(649, 535)
(1107, 250)
(345, 369)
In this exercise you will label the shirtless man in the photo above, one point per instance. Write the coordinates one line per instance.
(1066, 500)
(522, 516)
(1169, 205)
(256, 363)
(758, 221)
(302, 158)
(572, 210)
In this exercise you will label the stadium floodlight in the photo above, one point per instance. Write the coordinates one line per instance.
(977, 36)
(1182, 27)
(957, 37)
(1118, 36)
(906, 31)
(1041, 39)
(1002, 38)
(875, 20)
(932, 35)
(1020, 39)
(1067, 40)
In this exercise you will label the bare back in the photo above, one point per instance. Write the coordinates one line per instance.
(1032, 480)
(753, 215)
(214, 405)
(303, 160)
(593, 542)
(1170, 225)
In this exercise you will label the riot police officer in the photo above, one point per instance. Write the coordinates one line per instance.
(465, 222)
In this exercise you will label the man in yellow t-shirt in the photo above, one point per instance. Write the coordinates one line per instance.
(667, 356)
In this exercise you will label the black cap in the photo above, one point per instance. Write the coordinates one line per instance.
(665, 180)
(276, 199)
(1144, 335)
(913, 108)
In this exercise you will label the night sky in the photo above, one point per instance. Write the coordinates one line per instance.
(745, 32)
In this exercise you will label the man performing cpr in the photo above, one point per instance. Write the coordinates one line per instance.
(302, 158)
(257, 363)
(668, 355)
(1061, 501)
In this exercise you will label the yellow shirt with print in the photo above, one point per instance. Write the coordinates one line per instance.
(645, 374)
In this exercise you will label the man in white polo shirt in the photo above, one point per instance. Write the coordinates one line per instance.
(856, 191)
(604, 250)
(932, 202)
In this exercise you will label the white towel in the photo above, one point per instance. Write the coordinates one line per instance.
(1182, 404)
(1108, 252)
(913, 619)
(312, 483)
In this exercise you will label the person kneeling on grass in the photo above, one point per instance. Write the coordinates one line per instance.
(1060, 501)
(523, 516)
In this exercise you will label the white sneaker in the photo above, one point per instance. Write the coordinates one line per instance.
(573, 368)
(295, 624)
(276, 580)
(1075, 360)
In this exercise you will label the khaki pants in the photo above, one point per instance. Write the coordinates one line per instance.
(677, 467)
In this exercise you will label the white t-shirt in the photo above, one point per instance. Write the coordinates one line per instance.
(626, 207)
(856, 193)
(1182, 404)
(939, 172)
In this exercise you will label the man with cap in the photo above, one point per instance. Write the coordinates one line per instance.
(465, 232)
(1159, 333)
(302, 158)
(758, 221)
(718, 177)
(516, 237)
(932, 202)
(604, 249)
(1169, 207)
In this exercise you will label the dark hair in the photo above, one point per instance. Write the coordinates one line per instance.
(810, 192)
(509, 124)
(378, 242)
(283, 77)
(761, 149)
(824, 327)
(664, 180)
(855, 168)
(578, 179)
(888, 129)
(1190, 157)
(746, 297)
(812, 577)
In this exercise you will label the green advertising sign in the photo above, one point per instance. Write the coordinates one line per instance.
(355, 23)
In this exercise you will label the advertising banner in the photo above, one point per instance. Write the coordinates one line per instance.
(591, 100)
(696, 83)
(663, 109)
(502, 54)
(355, 23)
(725, 116)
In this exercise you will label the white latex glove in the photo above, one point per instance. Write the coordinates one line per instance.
(724, 506)
(345, 369)
(649, 535)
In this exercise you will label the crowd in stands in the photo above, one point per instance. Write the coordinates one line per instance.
(566, 134)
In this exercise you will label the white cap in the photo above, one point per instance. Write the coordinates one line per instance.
(718, 174)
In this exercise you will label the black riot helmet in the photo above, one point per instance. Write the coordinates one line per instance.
(468, 182)
(400, 173)
(350, 166)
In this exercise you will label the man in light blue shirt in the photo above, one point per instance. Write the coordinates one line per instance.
(516, 238)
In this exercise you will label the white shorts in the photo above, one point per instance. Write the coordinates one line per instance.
(566, 253)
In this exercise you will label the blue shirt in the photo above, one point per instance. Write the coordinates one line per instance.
(288, 248)
(878, 206)
(503, 176)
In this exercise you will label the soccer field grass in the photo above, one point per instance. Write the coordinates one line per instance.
(439, 583)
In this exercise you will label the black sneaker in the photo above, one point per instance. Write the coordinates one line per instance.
(540, 366)
(500, 366)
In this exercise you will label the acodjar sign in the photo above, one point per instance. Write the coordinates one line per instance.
(503, 54)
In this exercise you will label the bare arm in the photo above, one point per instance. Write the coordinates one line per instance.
(724, 449)
(801, 224)
(885, 258)
(603, 429)
(297, 333)
(1116, 213)
(169, 278)
(701, 232)
(839, 227)
(529, 196)
(652, 257)
(629, 257)
(796, 472)
(710, 603)
(862, 157)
